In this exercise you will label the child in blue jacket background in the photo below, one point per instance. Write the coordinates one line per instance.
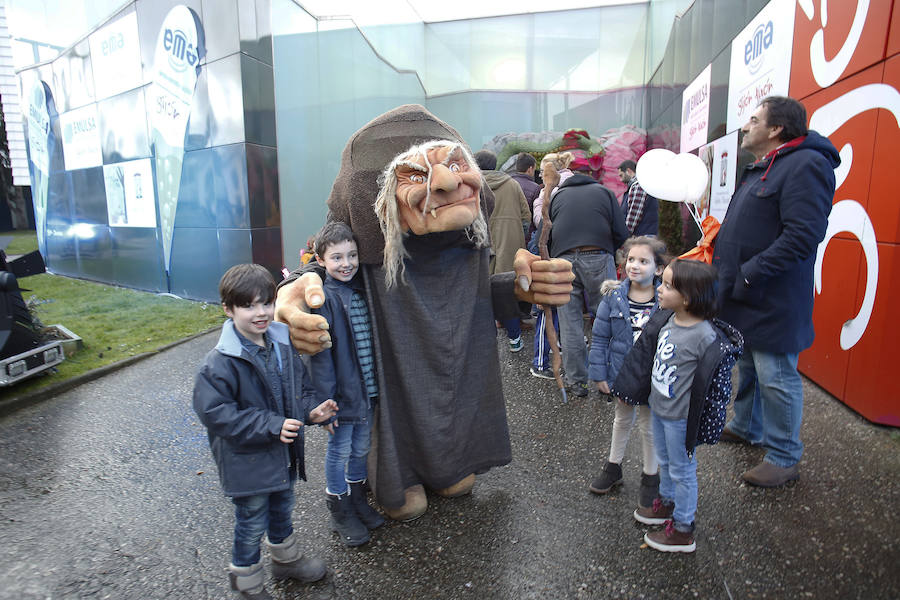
(626, 307)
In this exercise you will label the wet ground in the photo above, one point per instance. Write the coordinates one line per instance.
(109, 491)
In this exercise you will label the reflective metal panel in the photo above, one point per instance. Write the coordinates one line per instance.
(123, 127)
(194, 268)
(197, 196)
(217, 116)
(258, 84)
(89, 196)
(232, 200)
(137, 258)
(262, 184)
(94, 250)
(220, 22)
(73, 80)
(267, 249)
(234, 248)
(255, 30)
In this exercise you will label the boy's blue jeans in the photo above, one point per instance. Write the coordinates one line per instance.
(348, 449)
(254, 516)
(677, 472)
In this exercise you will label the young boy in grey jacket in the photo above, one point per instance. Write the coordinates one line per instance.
(253, 395)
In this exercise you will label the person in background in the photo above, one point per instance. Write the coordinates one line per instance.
(641, 209)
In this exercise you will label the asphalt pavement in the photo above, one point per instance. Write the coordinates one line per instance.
(108, 490)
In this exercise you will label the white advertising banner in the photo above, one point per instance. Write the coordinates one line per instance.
(116, 57)
(760, 61)
(129, 193)
(695, 111)
(721, 157)
(81, 138)
(176, 65)
(39, 155)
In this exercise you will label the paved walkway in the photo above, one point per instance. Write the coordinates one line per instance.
(109, 491)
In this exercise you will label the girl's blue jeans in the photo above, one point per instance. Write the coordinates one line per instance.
(348, 450)
(254, 516)
(677, 472)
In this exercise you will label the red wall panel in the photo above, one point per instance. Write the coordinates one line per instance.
(825, 362)
(883, 207)
(871, 387)
(840, 39)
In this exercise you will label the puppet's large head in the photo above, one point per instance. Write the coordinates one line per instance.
(425, 180)
(429, 188)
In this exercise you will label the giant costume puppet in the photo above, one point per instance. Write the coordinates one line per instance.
(413, 196)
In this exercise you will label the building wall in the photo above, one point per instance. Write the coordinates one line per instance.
(228, 207)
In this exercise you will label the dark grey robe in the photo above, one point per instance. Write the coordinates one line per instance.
(441, 413)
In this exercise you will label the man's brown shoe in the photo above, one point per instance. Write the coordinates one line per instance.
(655, 514)
(765, 474)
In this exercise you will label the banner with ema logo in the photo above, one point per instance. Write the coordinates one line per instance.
(695, 111)
(116, 57)
(81, 138)
(40, 144)
(760, 61)
(176, 65)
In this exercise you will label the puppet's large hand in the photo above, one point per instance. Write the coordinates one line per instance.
(542, 281)
(309, 332)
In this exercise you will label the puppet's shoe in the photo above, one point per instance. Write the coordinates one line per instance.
(415, 506)
(460, 488)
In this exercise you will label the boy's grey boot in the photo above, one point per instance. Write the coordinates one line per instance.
(288, 562)
(608, 479)
(649, 489)
(368, 515)
(249, 582)
(344, 520)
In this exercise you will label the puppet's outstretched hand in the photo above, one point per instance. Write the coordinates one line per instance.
(309, 332)
(542, 281)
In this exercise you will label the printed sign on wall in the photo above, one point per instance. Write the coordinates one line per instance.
(695, 111)
(720, 157)
(116, 57)
(176, 65)
(81, 138)
(129, 193)
(760, 61)
(39, 156)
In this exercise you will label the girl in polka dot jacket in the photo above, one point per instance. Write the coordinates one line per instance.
(681, 365)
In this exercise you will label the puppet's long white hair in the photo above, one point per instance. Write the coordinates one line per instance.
(389, 216)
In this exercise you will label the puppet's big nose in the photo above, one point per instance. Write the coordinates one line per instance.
(443, 179)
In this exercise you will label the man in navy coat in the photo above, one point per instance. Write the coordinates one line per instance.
(765, 253)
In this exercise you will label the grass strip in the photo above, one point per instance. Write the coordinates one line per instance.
(115, 323)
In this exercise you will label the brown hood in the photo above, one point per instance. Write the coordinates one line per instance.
(367, 153)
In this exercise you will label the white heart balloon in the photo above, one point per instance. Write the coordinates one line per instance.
(673, 177)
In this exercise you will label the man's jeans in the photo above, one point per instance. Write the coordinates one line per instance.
(253, 516)
(345, 459)
(677, 472)
(768, 408)
(591, 270)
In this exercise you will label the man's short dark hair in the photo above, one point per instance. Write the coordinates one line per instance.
(698, 282)
(241, 285)
(486, 160)
(524, 161)
(627, 164)
(788, 113)
(334, 232)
